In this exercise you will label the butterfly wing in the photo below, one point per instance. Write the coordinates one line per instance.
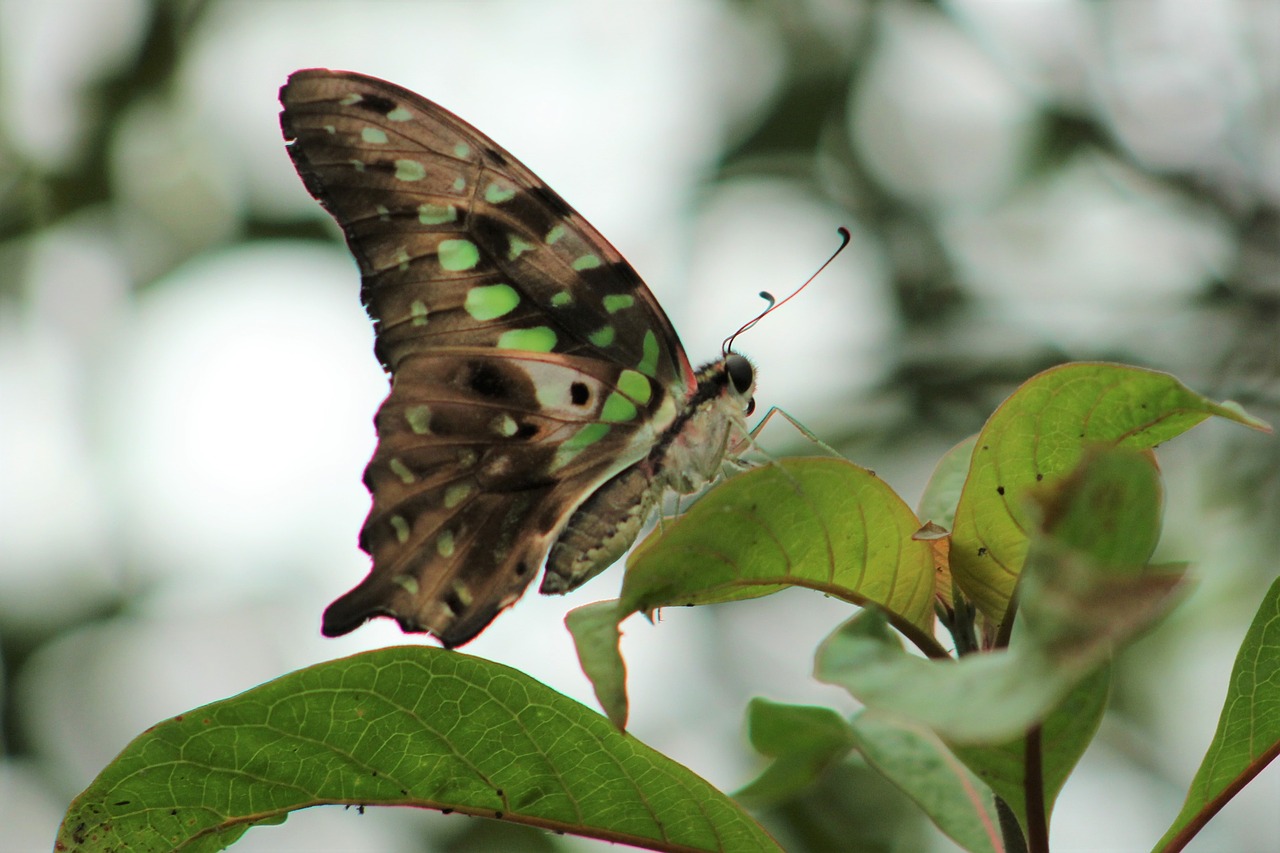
(529, 363)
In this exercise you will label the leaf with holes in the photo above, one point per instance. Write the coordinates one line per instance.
(1038, 435)
(1086, 591)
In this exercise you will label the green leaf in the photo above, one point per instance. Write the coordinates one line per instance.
(1248, 735)
(1039, 434)
(1064, 736)
(406, 726)
(981, 698)
(1087, 585)
(819, 523)
(1080, 598)
(942, 492)
(1111, 507)
(596, 636)
(803, 740)
(919, 764)
(851, 807)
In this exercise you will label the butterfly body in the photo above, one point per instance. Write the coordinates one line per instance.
(687, 457)
(540, 399)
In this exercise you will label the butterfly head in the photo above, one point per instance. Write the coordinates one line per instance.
(741, 380)
(727, 384)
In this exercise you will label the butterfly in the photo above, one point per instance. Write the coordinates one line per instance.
(541, 404)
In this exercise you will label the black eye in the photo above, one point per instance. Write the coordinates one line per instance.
(751, 406)
(740, 372)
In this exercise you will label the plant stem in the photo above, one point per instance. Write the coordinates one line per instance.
(1033, 789)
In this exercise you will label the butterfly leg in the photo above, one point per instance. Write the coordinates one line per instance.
(750, 439)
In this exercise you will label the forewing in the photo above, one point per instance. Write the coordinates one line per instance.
(458, 243)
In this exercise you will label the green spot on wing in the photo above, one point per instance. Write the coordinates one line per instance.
(505, 425)
(418, 312)
(537, 339)
(517, 247)
(401, 528)
(444, 543)
(419, 419)
(561, 299)
(636, 386)
(352, 99)
(373, 136)
(462, 150)
(456, 494)
(490, 301)
(649, 363)
(399, 114)
(586, 262)
(618, 408)
(587, 436)
(456, 255)
(463, 592)
(603, 336)
(401, 470)
(410, 170)
(615, 302)
(410, 585)
(459, 184)
(554, 235)
(495, 193)
(437, 214)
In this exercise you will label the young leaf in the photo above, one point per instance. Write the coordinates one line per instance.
(916, 761)
(405, 726)
(596, 636)
(1064, 736)
(1039, 434)
(1081, 600)
(1248, 735)
(942, 492)
(981, 698)
(803, 741)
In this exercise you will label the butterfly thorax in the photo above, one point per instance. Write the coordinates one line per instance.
(687, 457)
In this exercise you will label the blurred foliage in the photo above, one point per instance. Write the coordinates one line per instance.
(852, 808)
(938, 377)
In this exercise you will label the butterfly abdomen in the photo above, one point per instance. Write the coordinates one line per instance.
(602, 529)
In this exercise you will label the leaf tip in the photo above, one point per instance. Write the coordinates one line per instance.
(1237, 413)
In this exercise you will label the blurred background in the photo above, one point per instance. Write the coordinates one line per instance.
(187, 382)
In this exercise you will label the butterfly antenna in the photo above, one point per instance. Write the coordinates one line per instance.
(774, 304)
